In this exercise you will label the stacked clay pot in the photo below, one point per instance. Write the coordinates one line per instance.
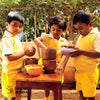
(49, 59)
(29, 61)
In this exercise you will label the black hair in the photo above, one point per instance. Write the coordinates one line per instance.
(14, 15)
(58, 20)
(82, 16)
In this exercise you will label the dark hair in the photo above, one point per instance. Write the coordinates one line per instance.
(82, 16)
(58, 20)
(14, 15)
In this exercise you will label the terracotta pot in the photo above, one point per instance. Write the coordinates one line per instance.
(69, 75)
(28, 61)
(49, 53)
(34, 69)
(49, 65)
(69, 72)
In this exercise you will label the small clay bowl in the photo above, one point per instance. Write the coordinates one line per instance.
(49, 65)
(34, 69)
(49, 53)
(28, 61)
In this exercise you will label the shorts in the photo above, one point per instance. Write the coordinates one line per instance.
(8, 85)
(87, 82)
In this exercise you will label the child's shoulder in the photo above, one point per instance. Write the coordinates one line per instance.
(7, 37)
(62, 39)
(7, 34)
(44, 34)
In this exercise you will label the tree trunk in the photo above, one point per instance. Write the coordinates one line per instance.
(35, 22)
(1, 30)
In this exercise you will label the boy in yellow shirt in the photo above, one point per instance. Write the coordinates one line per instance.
(12, 53)
(85, 55)
(54, 39)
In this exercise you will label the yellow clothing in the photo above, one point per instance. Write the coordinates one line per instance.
(96, 44)
(85, 43)
(11, 45)
(97, 40)
(46, 98)
(86, 74)
(87, 82)
(8, 85)
(50, 42)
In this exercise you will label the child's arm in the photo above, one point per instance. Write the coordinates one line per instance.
(93, 53)
(89, 53)
(38, 42)
(59, 66)
(12, 57)
(30, 51)
(62, 64)
(78, 51)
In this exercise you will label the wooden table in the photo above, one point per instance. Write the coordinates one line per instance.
(44, 81)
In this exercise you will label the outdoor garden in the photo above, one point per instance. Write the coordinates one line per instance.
(37, 14)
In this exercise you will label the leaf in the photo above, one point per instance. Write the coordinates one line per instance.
(45, 10)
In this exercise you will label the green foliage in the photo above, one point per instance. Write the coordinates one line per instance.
(45, 9)
(9, 1)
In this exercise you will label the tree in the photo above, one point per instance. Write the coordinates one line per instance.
(38, 12)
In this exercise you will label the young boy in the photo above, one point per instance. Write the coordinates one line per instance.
(54, 39)
(12, 53)
(86, 53)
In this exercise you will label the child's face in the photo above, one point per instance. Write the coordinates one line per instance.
(83, 28)
(56, 31)
(14, 27)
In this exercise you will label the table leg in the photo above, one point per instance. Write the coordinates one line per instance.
(29, 94)
(60, 94)
(18, 94)
(47, 92)
(57, 93)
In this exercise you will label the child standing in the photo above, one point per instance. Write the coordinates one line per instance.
(85, 55)
(12, 53)
(54, 39)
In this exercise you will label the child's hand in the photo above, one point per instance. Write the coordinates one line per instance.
(73, 53)
(76, 52)
(59, 68)
(30, 51)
